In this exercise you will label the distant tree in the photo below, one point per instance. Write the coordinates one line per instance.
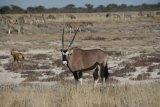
(111, 7)
(89, 7)
(17, 9)
(100, 8)
(30, 10)
(5, 10)
(40, 9)
(123, 7)
(70, 6)
(53, 9)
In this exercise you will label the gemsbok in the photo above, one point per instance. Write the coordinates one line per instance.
(17, 57)
(79, 61)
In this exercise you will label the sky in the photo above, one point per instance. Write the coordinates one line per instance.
(78, 3)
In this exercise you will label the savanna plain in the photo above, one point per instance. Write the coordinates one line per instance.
(130, 39)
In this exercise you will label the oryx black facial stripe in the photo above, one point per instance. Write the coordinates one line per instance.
(65, 55)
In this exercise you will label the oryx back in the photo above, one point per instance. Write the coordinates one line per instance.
(85, 59)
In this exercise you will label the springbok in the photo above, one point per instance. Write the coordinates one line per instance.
(73, 26)
(127, 17)
(18, 57)
(79, 61)
(72, 16)
(116, 17)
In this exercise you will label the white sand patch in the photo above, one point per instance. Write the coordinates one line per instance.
(15, 43)
(9, 77)
(44, 83)
(154, 73)
(57, 70)
(139, 70)
(133, 55)
(45, 77)
(40, 51)
(2, 69)
(69, 78)
(4, 61)
(4, 52)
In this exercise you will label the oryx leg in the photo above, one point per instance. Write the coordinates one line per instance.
(22, 66)
(19, 30)
(9, 30)
(75, 74)
(80, 77)
(96, 75)
(106, 73)
(70, 30)
(102, 74)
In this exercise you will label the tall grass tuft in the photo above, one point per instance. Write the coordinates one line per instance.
(69, 95)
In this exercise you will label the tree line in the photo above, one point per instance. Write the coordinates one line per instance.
(87, 8)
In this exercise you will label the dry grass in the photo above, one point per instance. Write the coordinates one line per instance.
(68, 95)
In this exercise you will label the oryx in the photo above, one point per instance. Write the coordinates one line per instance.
(79, 60)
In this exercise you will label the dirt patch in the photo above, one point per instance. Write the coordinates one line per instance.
(54, 78)
(30, 66)
(95, 38)
(13, 67)
(40, 56)
(142, 76)
(145, 60)
(114, 53)
(123, 72)
(58, 63)
(4, 57)
(153, 67)
(134, 38)
(116, 38)
(45, 67)
(64, 74)
(31, 78)
(49, 73)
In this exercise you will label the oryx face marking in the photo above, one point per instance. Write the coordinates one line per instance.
(65, 56)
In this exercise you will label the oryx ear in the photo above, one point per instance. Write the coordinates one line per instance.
(61, 50)
(71, 52)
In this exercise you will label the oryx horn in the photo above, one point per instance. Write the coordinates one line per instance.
(73, 38)
(63, 39)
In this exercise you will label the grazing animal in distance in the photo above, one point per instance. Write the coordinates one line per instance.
(18, 57)
(79, 61)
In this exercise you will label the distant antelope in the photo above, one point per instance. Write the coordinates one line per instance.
(72, 16)
(116, 17)
(51, 17)
(72, 26)
(127, 17)
(108, 15)
(150, 15)
(14, 25)
(40, 19)
(79, 61)
(18, 57)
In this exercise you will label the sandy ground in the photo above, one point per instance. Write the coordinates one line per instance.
(133, 49)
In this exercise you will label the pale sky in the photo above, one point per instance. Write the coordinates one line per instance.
(78, 3)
